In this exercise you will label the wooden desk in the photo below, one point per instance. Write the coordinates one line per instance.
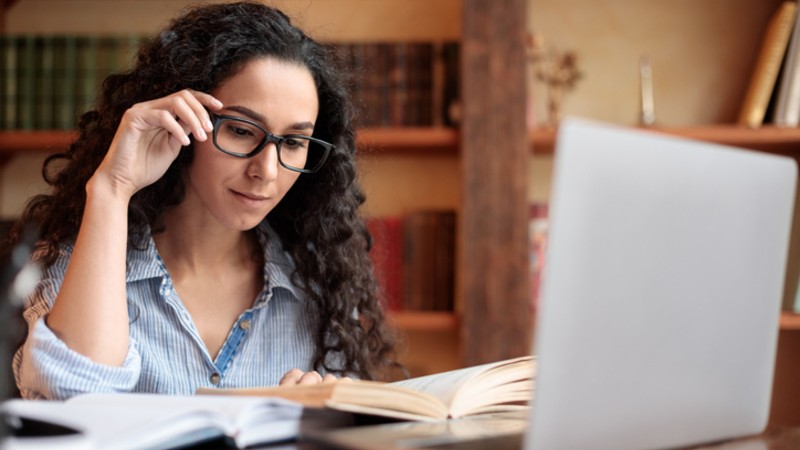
(773, 439)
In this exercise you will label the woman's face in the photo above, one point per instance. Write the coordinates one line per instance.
(237, 192)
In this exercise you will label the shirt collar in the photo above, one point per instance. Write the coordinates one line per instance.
(145, 263)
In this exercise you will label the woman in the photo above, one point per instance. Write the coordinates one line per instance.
(203, 228)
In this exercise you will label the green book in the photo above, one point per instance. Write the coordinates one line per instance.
(108, 59)
(44, 84)
(64, 63)
(26, 82)
(3, 94)
(86, 74)
(10, 51)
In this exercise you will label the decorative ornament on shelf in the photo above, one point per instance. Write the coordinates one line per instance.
(557, 69)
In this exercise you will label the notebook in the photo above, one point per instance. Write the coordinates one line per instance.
(660, 299)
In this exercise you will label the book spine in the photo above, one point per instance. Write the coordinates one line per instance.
(44, 84)
(787, 108)
(451, 94)
(5, 41)
(26, 70)
(397, 83)
(86, 74)
(422, 86)
(429, 260)
(386, 255)
(64, 69)
(767, 66)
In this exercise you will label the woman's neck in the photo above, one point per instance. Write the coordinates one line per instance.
(197, 244)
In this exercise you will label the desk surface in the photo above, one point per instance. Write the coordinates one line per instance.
(773, 439)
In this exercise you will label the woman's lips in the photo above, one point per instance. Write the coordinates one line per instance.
(250, 199)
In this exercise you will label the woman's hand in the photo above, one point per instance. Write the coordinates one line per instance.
(297, 376)
(150, 136)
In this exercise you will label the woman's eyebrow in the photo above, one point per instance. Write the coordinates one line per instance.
(249, 113)
(252, 115)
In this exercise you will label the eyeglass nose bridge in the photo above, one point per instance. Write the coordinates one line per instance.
(269, 137)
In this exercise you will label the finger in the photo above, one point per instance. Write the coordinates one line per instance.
(310, 378)
(200, 102)
(176, 130)
(291, 377)
(188, 116)
(329, 378)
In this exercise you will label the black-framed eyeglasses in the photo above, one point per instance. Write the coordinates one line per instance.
(244, 138)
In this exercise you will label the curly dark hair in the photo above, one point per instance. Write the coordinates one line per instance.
(317, 221)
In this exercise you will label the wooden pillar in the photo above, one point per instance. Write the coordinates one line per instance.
(493, 261)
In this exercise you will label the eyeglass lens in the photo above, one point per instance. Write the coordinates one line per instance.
(243, 138)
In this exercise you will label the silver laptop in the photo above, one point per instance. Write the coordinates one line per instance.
(660, 301)
(661, 298)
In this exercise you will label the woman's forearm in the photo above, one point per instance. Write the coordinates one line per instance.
(90, 313)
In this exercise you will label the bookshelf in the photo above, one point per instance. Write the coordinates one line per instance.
(489, 305)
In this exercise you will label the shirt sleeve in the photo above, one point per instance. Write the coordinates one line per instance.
(44, 367)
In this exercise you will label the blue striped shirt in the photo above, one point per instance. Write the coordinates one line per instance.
(166, 354)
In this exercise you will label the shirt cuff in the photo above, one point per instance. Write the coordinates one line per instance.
(49, 369)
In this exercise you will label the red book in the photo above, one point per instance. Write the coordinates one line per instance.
(387, 258)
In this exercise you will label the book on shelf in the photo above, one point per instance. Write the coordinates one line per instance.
(26, 82)
(387, 261)
(768, 65)
(488, 388)
(49, 80)
(149, 421)
(451, 86)
(429, 260)
(787, 104)
(397, 83)
(413, 258)
(44, 84)
(792, 302)
(64, 76)
(791, 284)
(9, 61)
(88, 83)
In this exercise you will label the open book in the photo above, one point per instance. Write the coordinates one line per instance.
(495, 387)
(149, 421)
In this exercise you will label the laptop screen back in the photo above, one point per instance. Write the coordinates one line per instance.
(661, 297)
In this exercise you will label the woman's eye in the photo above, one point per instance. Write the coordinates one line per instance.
(295, 143)
(239, 131)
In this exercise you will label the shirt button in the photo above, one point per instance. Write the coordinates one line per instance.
(245, 324)
(214, 379)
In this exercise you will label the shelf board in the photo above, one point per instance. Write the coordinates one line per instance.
(790, 321)
(438, 140)
(423, 320)
(35, 141)
(767, 138)
(445, 141)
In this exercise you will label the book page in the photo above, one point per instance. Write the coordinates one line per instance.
(446, 385)
(130, 421)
